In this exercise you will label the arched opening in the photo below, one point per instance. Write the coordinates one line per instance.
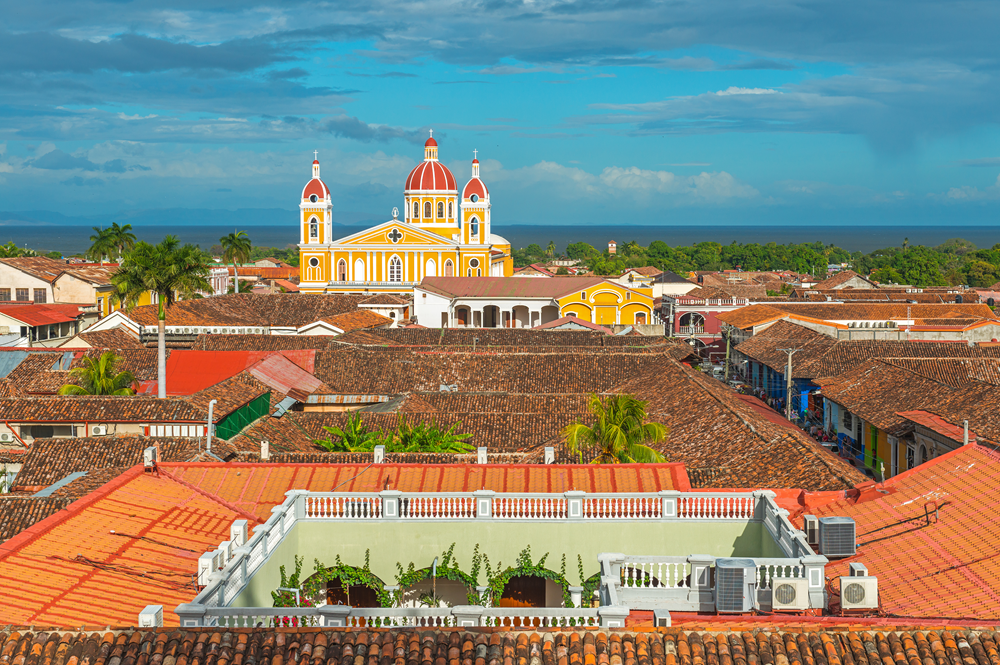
(427, 209)
(431, 268)
(359, 271)
(462, 316)
(491, 316)
(451, 209)
(521, 317)
(549, 313)
(474, 226)
(449, 268)
(692, 323)
(416, 209)
(395, 269)
(440, 209)
(922, 457)
(353, 595)
(313, 228)
(640, 318)
(342, 270)
(523, 591)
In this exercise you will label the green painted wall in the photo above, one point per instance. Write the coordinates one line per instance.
(419, 542)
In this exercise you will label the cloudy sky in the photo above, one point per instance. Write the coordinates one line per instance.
(585, 112)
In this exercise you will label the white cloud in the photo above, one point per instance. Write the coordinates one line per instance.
(969, 193)
(733, 90)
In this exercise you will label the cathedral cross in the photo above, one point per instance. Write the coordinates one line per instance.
(395, 235)
(475, 154)
(315, 154)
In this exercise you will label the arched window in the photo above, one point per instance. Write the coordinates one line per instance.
(314, 228)
(427, 209)
(440, 209)
(475, 226)
(395, 269)
(416, 209)
(359, 271)
(923, 454)
(431, 270)
(451, 210)
(342, 270)
(449, 268)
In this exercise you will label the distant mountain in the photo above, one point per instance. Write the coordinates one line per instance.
(181, 217)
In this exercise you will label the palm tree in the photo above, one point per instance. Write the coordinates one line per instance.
(236, 249)
(619, 433)
(98, 377)
(121, 237)
(165, 269)
(551, 249)
(102, 244)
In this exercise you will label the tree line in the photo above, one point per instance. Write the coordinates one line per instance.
(952, 263)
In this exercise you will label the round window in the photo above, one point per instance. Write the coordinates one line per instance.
(314, 198)
(474, 263)
(475, 197)
(314, 262)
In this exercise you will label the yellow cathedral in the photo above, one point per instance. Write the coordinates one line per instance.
(439, 234)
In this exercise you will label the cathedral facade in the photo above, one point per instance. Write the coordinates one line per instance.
(441, 233)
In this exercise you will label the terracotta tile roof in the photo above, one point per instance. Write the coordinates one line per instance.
(711, 428)
(954, 372)
(939, 425)
(505, 337)
(285, 377)
(289, 287)
(259, 342)
(95, 274)
(358, 320)
(17, 513)
(384, 299)
(50, 460)
(160, 528)
(31, 366)
(840, 278)
(943, 515)
(230, 394)
(37, 266)
(507, 287)
(47, 383)
(765, 347)
(752, 315)
(98, 409)
(783, 642)
(645, 271)
(142, 362)
(259, 487)
(115, 338)
(885, 295)
(565, 320)
(250, 309)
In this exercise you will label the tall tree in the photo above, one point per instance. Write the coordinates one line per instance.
(619, 434)
(550, 251)
(102, 243)
(98, 377)
(165, 270)
(121, 238)
(236, 249)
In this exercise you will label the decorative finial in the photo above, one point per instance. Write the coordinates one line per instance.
(475, 154)
(432, 133)
(315, 154)
(395, 213)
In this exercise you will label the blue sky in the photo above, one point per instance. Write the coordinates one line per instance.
(619, 112)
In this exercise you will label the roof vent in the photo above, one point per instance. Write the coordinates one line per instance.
(837, 536)
(735, 585)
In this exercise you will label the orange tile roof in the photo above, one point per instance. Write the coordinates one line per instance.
(932, 540)
(256, 488)
(133, 542)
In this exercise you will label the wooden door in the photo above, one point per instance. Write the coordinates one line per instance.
(524, 591)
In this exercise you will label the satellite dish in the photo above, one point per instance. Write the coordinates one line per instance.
(395, 213)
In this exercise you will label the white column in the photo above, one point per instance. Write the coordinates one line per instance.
(350, 266)
(385, 275)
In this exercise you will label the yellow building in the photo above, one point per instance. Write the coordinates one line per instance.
(440, 234)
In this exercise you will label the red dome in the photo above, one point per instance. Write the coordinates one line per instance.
(431, 143)
(317, 187)
(431, 175)
(475, 186)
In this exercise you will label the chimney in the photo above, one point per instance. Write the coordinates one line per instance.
(379, 455)
(265, 450)
(965, 432)
(481, 455)
(550, 455)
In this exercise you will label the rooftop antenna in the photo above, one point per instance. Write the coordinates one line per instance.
(788, 382)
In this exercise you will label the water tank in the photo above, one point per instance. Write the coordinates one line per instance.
(735, 585)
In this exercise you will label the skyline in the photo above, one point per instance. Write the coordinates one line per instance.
(583, 113)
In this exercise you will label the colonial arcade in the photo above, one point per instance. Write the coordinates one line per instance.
(440, 234)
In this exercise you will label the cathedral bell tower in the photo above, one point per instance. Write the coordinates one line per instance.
(315, 228)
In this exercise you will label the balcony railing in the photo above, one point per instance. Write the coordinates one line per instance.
(225, 572)
(691, 330)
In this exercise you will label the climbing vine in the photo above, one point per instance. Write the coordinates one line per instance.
(348, 576)
(523, 568)
(447, 569)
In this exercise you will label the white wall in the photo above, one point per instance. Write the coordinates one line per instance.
(428, 308)
(13, 279)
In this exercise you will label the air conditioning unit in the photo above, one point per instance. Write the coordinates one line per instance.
(811, 527)
(98, 430)
(837, 537)
(735, 585)
(858, 593)
(789, 594)
(149, 457)
(6, 437)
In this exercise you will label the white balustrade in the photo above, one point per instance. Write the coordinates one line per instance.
(716, 507)
(529, 507)
(437, 507)
(770, 570)
(622, 507)
(658, 572)
(343, 506)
